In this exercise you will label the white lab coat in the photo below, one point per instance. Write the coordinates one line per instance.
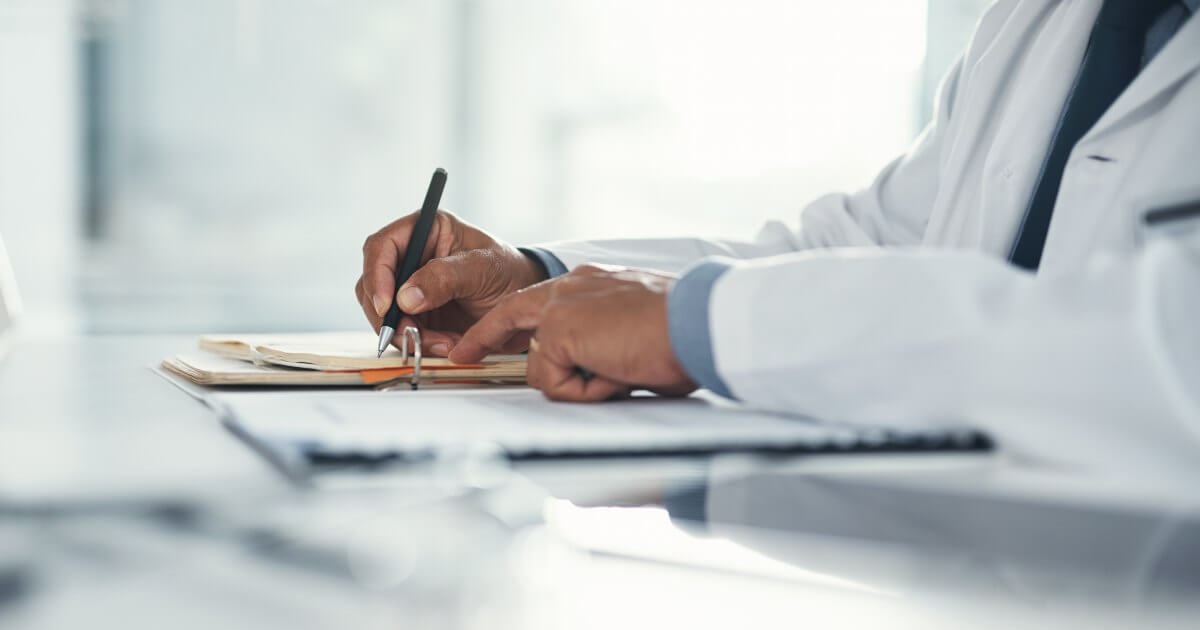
(896, 304)
(9, 303)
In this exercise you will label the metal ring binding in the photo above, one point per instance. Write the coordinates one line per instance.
(411, 331)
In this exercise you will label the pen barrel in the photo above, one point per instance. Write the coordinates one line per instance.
(417, 241)
(392, 317)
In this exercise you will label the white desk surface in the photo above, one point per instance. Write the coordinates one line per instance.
(123, 503)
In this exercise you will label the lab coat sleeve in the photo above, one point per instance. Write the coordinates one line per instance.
(1098, 363)
(892, 211)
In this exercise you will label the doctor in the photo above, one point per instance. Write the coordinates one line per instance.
(1031, 263)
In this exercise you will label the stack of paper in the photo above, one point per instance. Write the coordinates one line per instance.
(339, 358)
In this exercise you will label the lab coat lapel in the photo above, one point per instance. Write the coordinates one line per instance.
(991, 73)
(1179, 58)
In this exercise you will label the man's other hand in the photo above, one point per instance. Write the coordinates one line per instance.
(597, 333)
(464, 272)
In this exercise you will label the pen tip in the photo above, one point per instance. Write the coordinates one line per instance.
(385, 337)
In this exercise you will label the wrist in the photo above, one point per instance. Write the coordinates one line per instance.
(530, 269)
(545, 263)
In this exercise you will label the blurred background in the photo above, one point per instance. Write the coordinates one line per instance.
(185, 166)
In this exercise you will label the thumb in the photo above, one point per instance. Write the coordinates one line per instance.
(436, 283)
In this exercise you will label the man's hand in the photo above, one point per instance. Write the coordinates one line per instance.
(610, 322)
(464, 272)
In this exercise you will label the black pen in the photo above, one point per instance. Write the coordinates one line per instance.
(412, 255)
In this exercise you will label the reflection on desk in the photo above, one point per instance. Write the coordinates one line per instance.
(1041, 537)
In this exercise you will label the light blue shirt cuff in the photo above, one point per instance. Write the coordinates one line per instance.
(688, 321)
(553, 266)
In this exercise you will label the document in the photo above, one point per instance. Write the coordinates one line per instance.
(524, 424)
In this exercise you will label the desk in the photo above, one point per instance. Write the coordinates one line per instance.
(105, 427)
(124, 503)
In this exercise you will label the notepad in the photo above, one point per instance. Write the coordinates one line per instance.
(340, 352)
(335, 358)
(210, 369)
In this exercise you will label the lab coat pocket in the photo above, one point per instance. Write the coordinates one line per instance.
(1177, 220)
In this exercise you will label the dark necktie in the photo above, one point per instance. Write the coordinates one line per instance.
(1112, 60)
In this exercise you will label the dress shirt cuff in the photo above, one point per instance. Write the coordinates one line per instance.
(688, 322)
(549, 262)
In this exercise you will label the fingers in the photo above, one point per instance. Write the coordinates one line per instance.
(438, 282)
(464, 275)
(380, 257)
(433, 342)
(517, 343)
(563, 381)
(383, 251)
(520, 311)
(534, 376)
(368, 309)
(436, 343)
(567, 385)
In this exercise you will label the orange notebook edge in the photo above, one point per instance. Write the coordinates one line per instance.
(373, 377)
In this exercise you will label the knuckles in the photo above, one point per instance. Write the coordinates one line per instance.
(507, 301)
(488, 262)
(555, 313)
(369, 242)
(588, 269)
(597, 269)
